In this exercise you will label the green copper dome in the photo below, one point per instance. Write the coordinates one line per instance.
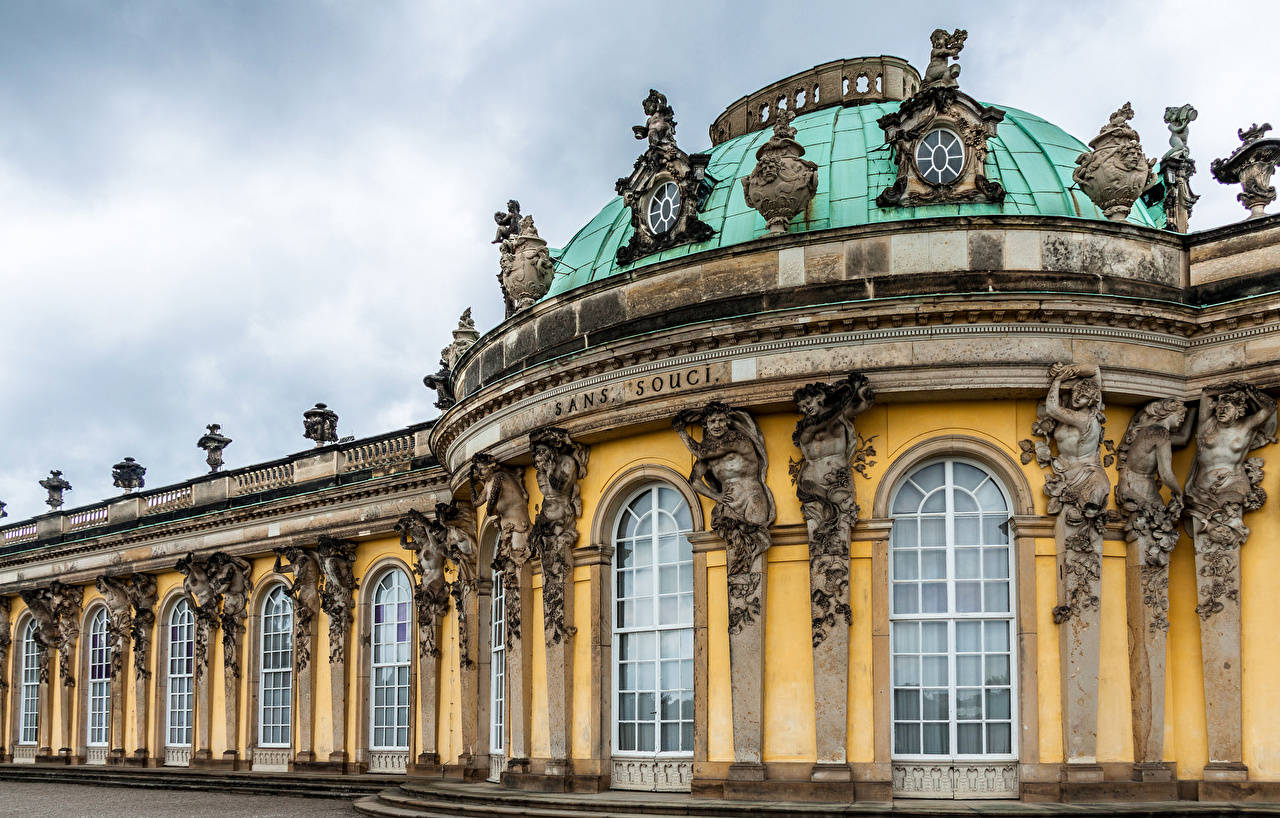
(1033, 160)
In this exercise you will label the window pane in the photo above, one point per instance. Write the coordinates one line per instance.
(906, 704)
(908, 500)
(969, 738)
(999, 738)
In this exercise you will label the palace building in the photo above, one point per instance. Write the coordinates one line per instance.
(899, 445)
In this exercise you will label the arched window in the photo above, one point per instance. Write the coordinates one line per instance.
(390, 676)
(30, 694)
(99, 690)
(653, 626)
(275, 694)
(182, 647)
(952, 615)
(497, 667)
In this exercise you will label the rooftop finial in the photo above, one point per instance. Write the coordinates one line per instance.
(55, 485)
(320, 424)
(128, 475)
(1251, 166)
(213, 442)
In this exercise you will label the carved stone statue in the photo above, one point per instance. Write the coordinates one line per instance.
(320, 424)
(782, 183)
(730, 463)
(55, 485)
(232, 581)
(39, 602)
(830, 450)
(336, 560)
(5, 641)
(508, 223)
(128, 475)
(1251, 166)
(501, 489)
(525, 268)
(1179, 119)
(304, 590)
(944, 47)
(198, 586)
(65, 601)
(1115, 172)
(142, 595)
(1145, 464)
(213, 442)
(559, 463)
(1224, 482)
(442, 381)
(431, 591)
(455, 527)
(667, 180)
(115, 591)
(1177, 168)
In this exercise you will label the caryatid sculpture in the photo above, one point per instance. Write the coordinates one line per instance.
(1078, 487)
(40, 603)
(501, 489)
(1144, 461)
(830, 451)
(431, 591)
(65, 602)
(304, 590)
(199, 589)
(115, 592)
(231, 578)
(729, 468)
(559, 463)
(455, 527)
(1224, 483)
(337, 558)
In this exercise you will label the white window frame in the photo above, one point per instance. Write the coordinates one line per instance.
(180, 675)
(657, 629)
(403, 595)
(29, 695)
(964, 156)
(98, 692)
(497, 666)
(952, 617)
(275, 670)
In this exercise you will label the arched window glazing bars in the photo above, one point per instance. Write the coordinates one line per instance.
(275, 695)
(389, 680)
(99, 688)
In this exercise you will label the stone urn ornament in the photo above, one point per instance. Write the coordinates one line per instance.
(128, 475)
(782, 183)
(320, 424)
(55, 485)
(1251, 166)
(213, 442)
(526, 268)
(1116, 171)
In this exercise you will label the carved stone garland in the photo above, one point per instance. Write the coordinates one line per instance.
(966, 124)
(663, 162)
(730, 463)
(501, 489)
(559, 463)
(336, 599)
(1078, 487)
(830, 451)
(304, 566)
(1224, 483)
(1144, 464)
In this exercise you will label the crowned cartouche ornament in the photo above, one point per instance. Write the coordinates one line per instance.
(782, 183)
(1116, 171)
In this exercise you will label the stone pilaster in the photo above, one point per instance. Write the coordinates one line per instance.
(304, 635)
(429, 690)
(518, 582)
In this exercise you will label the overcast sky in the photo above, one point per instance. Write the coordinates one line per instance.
(227, 211)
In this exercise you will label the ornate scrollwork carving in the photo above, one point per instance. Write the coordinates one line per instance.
(501, 489)
(1115, 171)
(1076, 482)
(1251, 166)
(663, 162)
(729, 467)
(337, 558)
(1224, 483)
(304, 566)
(782, 183)
(559, 463)
(430, 591)
(830, 451)
(1145, 463)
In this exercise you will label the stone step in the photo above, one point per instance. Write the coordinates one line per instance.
(311, 785)
(415, 804)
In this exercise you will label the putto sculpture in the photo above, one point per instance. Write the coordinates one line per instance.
(559, 463)
(128, 475)
(213, 442)
(1251, 166)
(442, 381)
(666, 187)
(508, 222)
(525, 268)
(320, 424)
(1176, 169)
(782, 183)
(830, 451)
(729, 467)
(1115, 171)
(55, 485)
(944, 47)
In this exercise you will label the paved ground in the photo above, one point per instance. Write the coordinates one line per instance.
(41, 800)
